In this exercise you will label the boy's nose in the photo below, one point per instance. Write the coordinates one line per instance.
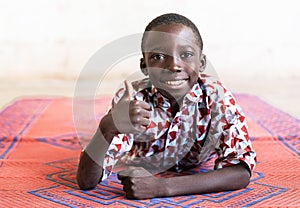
(174, 64)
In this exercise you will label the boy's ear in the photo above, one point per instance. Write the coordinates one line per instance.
(143, 67)
(202, 62)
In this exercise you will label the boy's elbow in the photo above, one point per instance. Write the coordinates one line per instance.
(244, 178)
(85, 184)
(245, 182)
(86, 187)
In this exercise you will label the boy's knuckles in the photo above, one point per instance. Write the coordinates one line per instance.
(145, 105)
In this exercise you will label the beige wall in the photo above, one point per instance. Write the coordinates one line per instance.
(56, 38)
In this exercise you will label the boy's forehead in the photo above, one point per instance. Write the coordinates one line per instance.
(170, 35)
(156, 40)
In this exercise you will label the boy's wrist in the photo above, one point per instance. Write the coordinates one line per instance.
(108, 128)
(163, 189)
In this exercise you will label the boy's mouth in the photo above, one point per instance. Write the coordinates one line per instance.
(175, 83)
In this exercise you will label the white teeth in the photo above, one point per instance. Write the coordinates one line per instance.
(175, 83)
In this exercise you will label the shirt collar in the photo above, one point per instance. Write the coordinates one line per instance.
(195, 95)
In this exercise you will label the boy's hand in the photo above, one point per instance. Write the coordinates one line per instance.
(129, 115)
(138, 183)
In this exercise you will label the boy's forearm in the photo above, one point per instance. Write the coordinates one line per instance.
(88, 172)
(91, 160)
(229, 178)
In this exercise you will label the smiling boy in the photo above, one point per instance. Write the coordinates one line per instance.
(175, 118)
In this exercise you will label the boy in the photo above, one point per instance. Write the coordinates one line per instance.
(174, 119)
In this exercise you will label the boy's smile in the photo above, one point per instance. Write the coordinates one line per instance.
(172, 59)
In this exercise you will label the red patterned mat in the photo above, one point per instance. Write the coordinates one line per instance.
(39, 152)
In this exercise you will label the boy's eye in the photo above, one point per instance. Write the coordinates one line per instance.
(187, 54)
(158, 56)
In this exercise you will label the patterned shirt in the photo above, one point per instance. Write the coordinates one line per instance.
(208, 121)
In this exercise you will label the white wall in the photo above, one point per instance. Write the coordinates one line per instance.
(56, 38)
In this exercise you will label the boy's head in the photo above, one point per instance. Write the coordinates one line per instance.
(172, 18)
(172, 55)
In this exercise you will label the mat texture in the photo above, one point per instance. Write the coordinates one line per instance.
(39, 152)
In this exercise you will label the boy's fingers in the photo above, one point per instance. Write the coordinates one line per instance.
(144, 122)
(133, 172)
(125, 173)
(144, 105)
(128, 90)
(145, 113)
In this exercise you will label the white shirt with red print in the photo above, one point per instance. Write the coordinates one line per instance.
(209, 121)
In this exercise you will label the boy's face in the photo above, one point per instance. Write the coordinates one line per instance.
(172, 59)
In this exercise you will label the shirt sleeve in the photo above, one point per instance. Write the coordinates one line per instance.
(228, 121)
(120, 144)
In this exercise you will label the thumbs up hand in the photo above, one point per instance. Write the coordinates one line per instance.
(129, 115)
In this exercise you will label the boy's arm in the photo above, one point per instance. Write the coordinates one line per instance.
(126, 116)
(91, 160)
(225, 179)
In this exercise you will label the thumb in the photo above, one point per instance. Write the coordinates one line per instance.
(129, 91)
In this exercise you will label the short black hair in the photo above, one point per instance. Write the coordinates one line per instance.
(171, 18)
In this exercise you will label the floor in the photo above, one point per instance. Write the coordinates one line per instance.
(280, 92)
